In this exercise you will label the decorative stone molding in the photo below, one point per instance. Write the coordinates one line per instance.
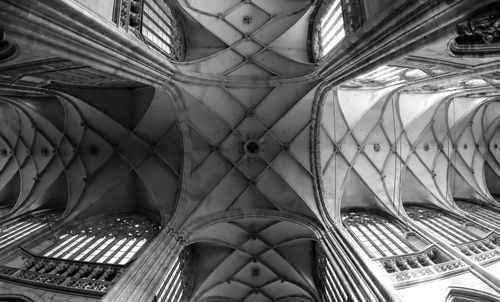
(123, 226)
(8, 50)
(478, 36)
(92, 279)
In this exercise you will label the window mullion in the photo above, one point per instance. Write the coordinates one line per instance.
(452, 224)
(117, 250)
(370, 239)
(445, 236)
(382, 242)
(389, 237)
(89, 241)
(125, 253)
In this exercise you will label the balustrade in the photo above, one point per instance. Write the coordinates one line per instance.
(91, 279)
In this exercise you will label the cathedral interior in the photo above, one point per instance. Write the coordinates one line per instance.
(250, 150)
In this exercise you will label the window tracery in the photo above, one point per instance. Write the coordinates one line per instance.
(403, 254)
(386, 75)
(87, 258)
(482, 212)
(175, 286)
(331, 28)
(161, 27)
(115, 240)
(154, 22)
(472, 239)
(15, 230)
(378, 236)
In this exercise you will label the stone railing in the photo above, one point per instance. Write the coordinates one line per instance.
(482, 250)
(404, 269)
(89, 279)
(426, 272)
(411, 261)
(487, 256)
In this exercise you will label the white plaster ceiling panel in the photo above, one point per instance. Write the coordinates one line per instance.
(420, 124)
(469, 156)
(383, 163)
(225, 175)
(293, 43)
(62, 135)
(415, 104)
(254, 260)
(249, 29)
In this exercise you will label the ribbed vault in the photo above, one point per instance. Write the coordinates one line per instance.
(397, 145)
(73, 151)
(229, 148)
(254, 260)
(263, 39)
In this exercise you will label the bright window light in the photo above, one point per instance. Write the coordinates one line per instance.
(332, 27)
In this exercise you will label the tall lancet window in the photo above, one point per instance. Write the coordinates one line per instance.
(378, 236)
(114, 240)
(161, 28)
(471, 238)
(483, 212)
(396, 248)
(88, 258)
(13, 231)
(155, 23)
(331, 27)
(175, 287)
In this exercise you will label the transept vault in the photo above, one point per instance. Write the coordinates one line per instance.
(249, 150)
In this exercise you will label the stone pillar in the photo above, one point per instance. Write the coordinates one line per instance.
(146, 274)
(358, 280)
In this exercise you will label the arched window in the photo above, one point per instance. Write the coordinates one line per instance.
(161, 28)
(471, 238)
(174, 287)
(386, 75)
(113, 241)
(88, 258)
(331, 27)
(155, 23)
(482, 212)
(396, 248)
(15, 230)
(378, 236)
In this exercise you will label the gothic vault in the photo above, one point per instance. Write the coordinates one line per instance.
(249, 150)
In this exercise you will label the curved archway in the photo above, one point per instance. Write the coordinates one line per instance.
(14, 298)
(462, 294)
(238, 257)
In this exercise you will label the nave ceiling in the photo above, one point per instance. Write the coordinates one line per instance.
(247, 142)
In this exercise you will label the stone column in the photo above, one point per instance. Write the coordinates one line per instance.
(146, 274)
(358, 280)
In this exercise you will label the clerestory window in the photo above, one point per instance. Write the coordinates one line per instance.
(470, 238)
(114, 240)
(378, 236)
(15, 230)
(153, 22)
(174, 287)
(482, 212)
(331, 27)
(403, 254)
(449, 228)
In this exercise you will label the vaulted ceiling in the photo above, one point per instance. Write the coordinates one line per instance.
(232, 143)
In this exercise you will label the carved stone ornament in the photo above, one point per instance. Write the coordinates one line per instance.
(8, 50)
(478, 36)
